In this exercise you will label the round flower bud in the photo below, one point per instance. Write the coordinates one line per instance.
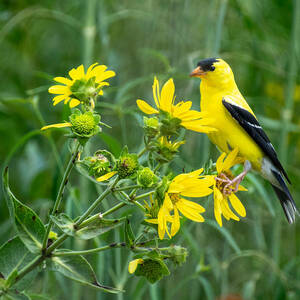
(127, 165)
(152, 269)
(178, 254)
(146, 177)
(84, 124)
(151, 126)
(52, 235)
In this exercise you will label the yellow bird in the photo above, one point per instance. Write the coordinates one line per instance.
(238, 128)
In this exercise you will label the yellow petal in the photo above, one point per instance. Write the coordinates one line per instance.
(155, 89)
(230, 159)
(192, 205)
(220, 162)
(237, 205)
(217, 206)
(77, 73)
(106, 176)
(90, 68)
(74, 102)
(189, 212)
(226, 211)
(63, 80)
(152, 221)
(176, 223)
(146, 108)
(197, 127)
(133, 265)
(58, 125)
(105, 75)
(167, 96)
(59, 89)
(58, 99)
(242, 188)
(197, 192)
(97, 71)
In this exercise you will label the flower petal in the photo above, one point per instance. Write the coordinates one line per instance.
(63, 80)
(106, 176)
(237, 205)
(155, 89)
(230, 159)
(146, 108)
(59, 89)
(74, 102)
(176, 222)
(167, 96)
(189, 212)
(190, 204)
(220, 163)
(58, 99)
(77, 73)
(58, 125)
(133, 265)
(152, 221)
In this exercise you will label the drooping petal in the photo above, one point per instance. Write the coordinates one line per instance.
(242, 188)
(146, 108)
(192, 205)
(189, 212)
(133, 265)
(226, 211)
(58, 125)
(58, 99)
(237, 205)
(152, 221)
(167, 96)
(197, 127)
(176, 223)
(105, 75)
(217, 206)
(106, 176)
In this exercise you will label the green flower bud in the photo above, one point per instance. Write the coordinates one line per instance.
(84, 124)
(127, 165)
(146, 177)
(170, 125)
(152, 269)
(178, 254)
(162, 189)
(151, 126)
(165, 150)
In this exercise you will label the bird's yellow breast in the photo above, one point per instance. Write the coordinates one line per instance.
(230, 134)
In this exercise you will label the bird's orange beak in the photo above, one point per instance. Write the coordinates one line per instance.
(197, 72)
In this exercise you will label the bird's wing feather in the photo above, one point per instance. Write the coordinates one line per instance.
(250, 124)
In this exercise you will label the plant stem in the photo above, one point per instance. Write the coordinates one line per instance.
(124, 188)
(97, 202)
(143, 195)
(30, 267)
(90, 251)
(60, 193)
(113, 209)
(143, 151)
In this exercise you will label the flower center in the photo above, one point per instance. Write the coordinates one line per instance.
(174, 197)
(223, 183)
(84, 124)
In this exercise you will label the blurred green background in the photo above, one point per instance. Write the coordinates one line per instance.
(257, 258)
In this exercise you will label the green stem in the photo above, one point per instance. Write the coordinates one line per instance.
(143, 151)
(124, 188)
(60, 193)
(113, 209)
(97, 202)
(90, 251)
(143, 195)
(157, 167)
(30, 267)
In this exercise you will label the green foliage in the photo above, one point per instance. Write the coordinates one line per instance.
(78, 268)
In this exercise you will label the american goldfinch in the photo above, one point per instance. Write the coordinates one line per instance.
(239, 128)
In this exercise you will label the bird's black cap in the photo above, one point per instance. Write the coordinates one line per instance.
(207, 64)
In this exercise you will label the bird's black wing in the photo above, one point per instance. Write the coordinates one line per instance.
(250, 124)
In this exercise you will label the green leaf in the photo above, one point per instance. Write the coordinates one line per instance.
(83, 169)
(129, 235)
(92, 230)
(15, 295)
(14, 256)
(30, 228)
(98, 227)
(78, 268)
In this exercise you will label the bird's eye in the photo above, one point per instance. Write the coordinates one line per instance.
(212, 68)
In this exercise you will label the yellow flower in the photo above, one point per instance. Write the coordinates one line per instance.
(223, 191)
(186, 185)
(106, 176)
(190, 119)
(133, 265)
(82, 87)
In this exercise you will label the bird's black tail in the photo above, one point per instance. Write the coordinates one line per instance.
(286, 200)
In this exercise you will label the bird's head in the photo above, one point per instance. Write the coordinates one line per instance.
(213, 71)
